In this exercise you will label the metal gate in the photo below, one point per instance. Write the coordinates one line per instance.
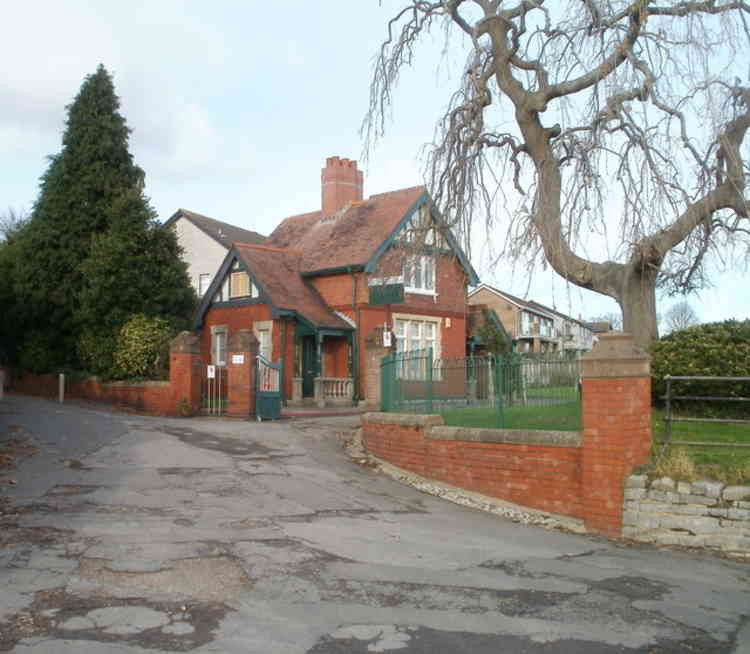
(214, 387)
(268, 389)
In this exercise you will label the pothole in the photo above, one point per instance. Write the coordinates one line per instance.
(634, 588)
(161, 626)
(218, 578)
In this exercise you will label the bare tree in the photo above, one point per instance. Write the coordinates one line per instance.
(11, 222)
(617, 121)
(681, 316)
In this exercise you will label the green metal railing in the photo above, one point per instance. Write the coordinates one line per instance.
(511, 392)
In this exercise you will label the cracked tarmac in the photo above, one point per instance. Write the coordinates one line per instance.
(133, 534)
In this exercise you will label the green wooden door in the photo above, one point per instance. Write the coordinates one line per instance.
(309, 365)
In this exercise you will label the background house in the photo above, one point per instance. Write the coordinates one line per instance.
(324, 281)
(533, 327)
(574, 337)
(205, 242)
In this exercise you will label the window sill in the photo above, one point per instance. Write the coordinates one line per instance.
(419, 291)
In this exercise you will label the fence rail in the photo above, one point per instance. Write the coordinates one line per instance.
(705, 400)
(484, 391)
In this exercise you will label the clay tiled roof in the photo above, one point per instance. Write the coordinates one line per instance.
(277, 272)
(221, 232)
(348, 237)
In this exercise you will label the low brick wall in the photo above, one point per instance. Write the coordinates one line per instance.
(699, 514)
(538, 469)
(148, 397)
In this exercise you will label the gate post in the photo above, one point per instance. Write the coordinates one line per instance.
(616, 416)
(242, 350)
(374, 353)
(185, 373)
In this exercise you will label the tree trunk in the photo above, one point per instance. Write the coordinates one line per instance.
(637, 299)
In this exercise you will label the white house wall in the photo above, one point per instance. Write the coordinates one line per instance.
(202, 254)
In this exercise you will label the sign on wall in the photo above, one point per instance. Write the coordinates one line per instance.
(211, 372)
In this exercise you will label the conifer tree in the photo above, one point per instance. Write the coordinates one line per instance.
(92, 195)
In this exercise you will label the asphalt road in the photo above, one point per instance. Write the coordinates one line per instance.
(135, 534)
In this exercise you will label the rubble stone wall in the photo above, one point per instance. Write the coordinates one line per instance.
(698, 514)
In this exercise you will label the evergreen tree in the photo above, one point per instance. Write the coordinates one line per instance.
(11, 225)
(91, 206)
(133, 268)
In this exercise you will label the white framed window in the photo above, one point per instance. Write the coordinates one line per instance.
(219, 335)
(204, 281)
(419, 274)
(413, 334)
(264, 343)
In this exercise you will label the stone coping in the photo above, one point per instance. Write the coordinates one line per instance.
(402, 419)
(509, 436)
(438, 432)
(139, 384)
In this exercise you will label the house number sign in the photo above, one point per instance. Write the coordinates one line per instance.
(238, 358)
(211, 372)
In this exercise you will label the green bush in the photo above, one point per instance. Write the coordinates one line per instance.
(143, 347)
(720, 349)
(96, 350)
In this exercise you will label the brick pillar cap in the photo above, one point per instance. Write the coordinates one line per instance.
(243, 341)
(185, 343)
(616, 355)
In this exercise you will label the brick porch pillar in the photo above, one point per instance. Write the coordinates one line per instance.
(616, 408)
(185, 373)
(242, 350)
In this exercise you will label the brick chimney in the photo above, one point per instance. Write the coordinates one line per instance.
(340, 183)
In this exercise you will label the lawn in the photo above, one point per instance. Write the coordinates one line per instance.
(564, 417)
(727, 463)
(553, 392)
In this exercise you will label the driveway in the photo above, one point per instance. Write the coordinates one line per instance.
(136, 534)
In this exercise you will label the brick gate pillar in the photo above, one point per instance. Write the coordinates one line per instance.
(374, 352)
(185, 373)
(242, 350)
(616, 412)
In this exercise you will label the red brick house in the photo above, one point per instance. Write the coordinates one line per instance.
(325, 280)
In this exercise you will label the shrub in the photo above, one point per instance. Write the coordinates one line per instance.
(720, 349)
(96, 349)
(143, 347)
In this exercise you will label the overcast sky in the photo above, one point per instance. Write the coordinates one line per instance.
(234, 107)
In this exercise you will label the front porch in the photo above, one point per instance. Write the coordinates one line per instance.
(323, 369)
